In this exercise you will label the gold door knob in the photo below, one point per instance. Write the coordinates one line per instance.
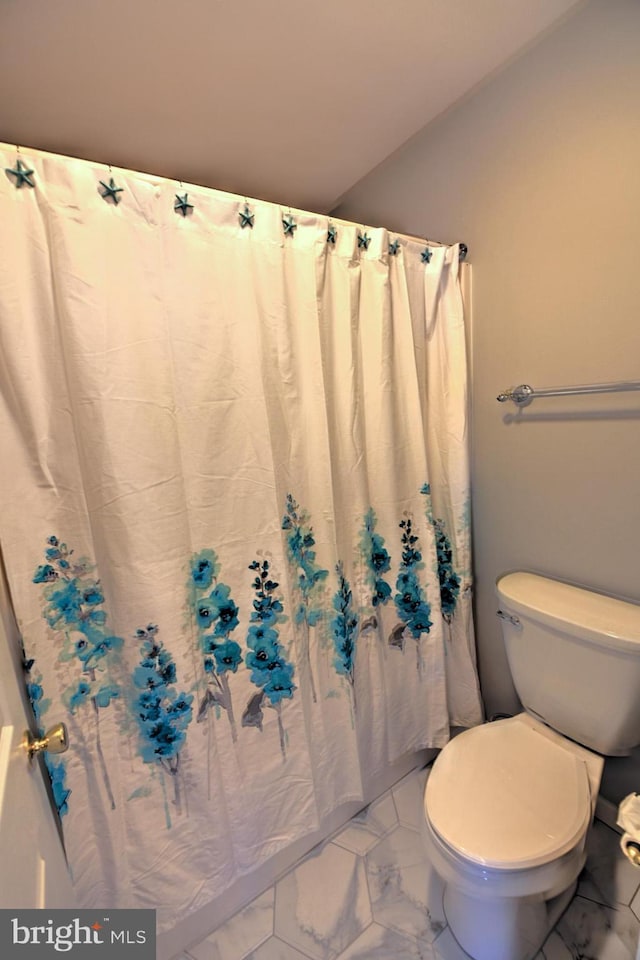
(633, 852)
(55, 740)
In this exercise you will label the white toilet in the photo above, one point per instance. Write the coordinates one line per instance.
(508, 804)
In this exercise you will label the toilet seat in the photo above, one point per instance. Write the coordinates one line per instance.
(507, 796)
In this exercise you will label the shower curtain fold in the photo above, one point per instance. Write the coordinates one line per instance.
(234, 515)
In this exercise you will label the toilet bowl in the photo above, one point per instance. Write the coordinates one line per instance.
(510, 858)
(508, 804)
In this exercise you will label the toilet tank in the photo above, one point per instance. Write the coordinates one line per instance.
(574, 657)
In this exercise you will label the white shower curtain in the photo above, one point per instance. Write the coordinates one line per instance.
(234, 514)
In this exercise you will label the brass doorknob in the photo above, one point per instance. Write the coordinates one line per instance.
(55, 740)
(632, 850)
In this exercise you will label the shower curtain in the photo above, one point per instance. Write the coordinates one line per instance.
(234, 515)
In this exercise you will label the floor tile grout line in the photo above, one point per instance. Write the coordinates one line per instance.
(323, 843)
(365, 862)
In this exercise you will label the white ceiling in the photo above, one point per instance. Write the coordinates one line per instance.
(286, 100)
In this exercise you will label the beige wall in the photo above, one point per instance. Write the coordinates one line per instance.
(539, 173)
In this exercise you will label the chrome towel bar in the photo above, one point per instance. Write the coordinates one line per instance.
(525, 394)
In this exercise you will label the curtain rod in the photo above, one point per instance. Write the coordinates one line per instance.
(202, 186)
(524, 394)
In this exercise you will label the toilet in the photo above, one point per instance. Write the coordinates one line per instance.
(508, 804)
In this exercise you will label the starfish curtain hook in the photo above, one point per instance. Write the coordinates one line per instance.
(363, 241)
(182, 204)
(246, 216)
(289, 225)
(21, 172)
(426, 255)
(111, 191)
(332, 233)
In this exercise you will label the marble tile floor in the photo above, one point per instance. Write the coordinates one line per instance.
(368, 893)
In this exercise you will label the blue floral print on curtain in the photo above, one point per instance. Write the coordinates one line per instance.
(270, 670)
(377, 562)
(376, 558)
(344, 628)
(216, 616)
(448, 578)
(410, 602)
(74, 610)
(162, 713)
(56, 766)
(308, 578)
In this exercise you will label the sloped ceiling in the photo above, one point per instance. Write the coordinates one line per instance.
(292, 101)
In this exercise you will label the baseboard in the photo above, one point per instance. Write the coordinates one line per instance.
(607, 812)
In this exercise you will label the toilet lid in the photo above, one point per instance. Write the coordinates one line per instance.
(506, 796)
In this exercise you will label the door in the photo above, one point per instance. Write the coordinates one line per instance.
(33, 870)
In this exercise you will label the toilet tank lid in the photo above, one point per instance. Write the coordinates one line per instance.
(593, 616)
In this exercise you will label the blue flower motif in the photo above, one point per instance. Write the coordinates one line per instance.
(57, 774)
(268, 608)
(344, 627)
(92, 595)
(269, 668)
(380, 559)
(302, 559)
(35, 692)
(106, 694)
(166, 668)
(218, 608)
(228, 656)
(448, 579)
(45, 574)
(410, 602)
(79, 696)
(208, 643)
(227, 613)
(73, 601)
(147, 678)
(83, 649)
(95, 617)
(163, 741)
(65, 604)
(280, 685)
(262, 652)
(109, 644)
(216, 616)
(181, 707)
(376, 559)
(149, 705)
(205, 614)
(259, 633)
(162, 713)
(204, 567)
(381, 592)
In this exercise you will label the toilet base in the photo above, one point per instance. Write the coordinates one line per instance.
(510, 928)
